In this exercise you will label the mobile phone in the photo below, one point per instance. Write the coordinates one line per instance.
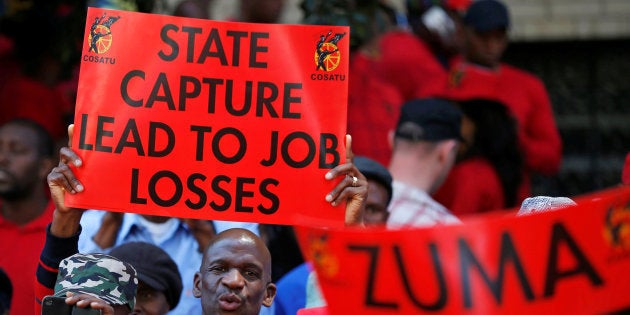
(55, 305)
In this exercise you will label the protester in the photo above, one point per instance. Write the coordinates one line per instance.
(481, 74)
(488, 170)
(25, 158)
(97, 281)
(425, 146)
(291, 294)
(235, 275)
(260, 11)
(416, 62)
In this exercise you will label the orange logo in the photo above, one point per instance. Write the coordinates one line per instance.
(327, 55)
(617, 228)
(100, 37)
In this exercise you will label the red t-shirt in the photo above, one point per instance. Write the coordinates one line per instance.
(20, 247)
(472, 186)
(373, 110)
(526, 97)
(408, 63)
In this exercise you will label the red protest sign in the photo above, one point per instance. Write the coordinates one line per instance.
(574, 261)
(207, 119)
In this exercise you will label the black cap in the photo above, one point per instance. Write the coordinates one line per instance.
(429, 119)
(487, 15)
(154, 267)
(375, 171)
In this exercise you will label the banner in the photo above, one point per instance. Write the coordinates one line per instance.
(570, 261)
(210, 120)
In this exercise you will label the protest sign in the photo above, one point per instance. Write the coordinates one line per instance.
(207, 119)
(570, 261)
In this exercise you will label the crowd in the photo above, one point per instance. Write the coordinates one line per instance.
(441, 128)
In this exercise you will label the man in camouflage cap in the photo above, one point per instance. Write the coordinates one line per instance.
(99, 275)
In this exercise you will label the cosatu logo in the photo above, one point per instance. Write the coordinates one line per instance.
(100, 37)
(327, 54)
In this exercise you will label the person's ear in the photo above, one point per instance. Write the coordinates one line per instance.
(197, 285)
(447, 150)
(390, 138)
(45, 166)
(270, 294)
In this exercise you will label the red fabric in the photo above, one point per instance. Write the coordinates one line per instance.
(472, 186)
(407, 63)
(373, 109)
(22, 97)
(526, 97)
(625, 176)
(323, 310)
(19, 255)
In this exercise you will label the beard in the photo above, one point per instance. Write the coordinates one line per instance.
(16, 190)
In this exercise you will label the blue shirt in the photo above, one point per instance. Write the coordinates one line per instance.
(179, 243)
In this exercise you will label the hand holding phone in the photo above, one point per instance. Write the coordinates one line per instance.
(56, 305)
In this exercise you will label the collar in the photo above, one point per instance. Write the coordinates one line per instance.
(132, 224)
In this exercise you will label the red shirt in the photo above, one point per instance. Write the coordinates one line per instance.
(19, 254)
(408, 63)
(472, 186)
(526, 97)
(373, 109)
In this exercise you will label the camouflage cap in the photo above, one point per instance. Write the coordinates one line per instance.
(99, 275)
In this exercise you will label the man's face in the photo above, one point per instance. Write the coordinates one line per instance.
(150, 301)
(485, 48)
(376, 205)
(20, 164)
(235, 277)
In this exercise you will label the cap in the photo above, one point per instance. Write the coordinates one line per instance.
(154, 267)
(99, 275)
(375, 171)
(429, 119)
(543, 204)
(487, 15)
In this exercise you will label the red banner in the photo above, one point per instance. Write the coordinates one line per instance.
(570, 261)
(207, 119)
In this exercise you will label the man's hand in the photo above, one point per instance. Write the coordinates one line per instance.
(60, 180)
(352, 189)
(86, 300)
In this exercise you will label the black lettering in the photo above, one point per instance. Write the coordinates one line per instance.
(560, 236)
(310, 156)
(264, 191)
(212, 92)
(82, 144)
(241, 193)
(192, 33)
(130, 129)
(443, 294)
(255, 48)
(170, 42)
(213, 37)
(370, 300)
(273, 150)
(216, 147)
(227, 198)
(203, 198)
(508, 253)
(170, 136)
(261, 100)
(184, 94)
(134, 188)
(177, 194)
(101, 133)
(288, 99)
(247, 103)
(201, 130)
(161, 84)
(124, 88)
(325, 150)
(236, 48)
